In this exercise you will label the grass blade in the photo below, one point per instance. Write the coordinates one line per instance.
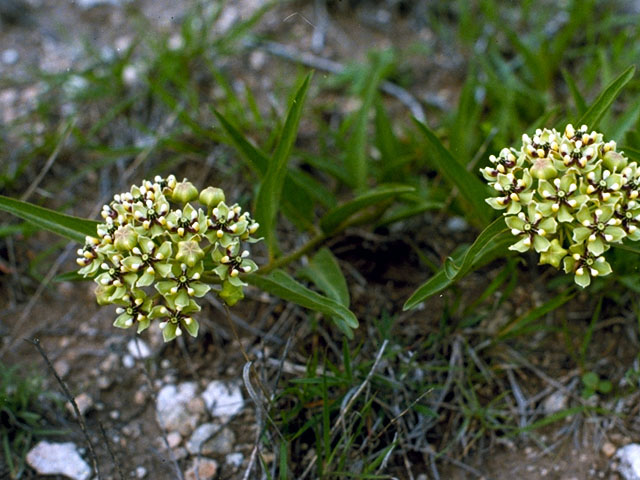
(282, 285)
(334, 218)
(469, 186)
(492, 240)
(356, 159)
(257, 159)
(73, 228)
(270, 191)
(578, 99)
(600, 106)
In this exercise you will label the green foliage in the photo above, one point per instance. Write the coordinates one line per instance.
(22, 418)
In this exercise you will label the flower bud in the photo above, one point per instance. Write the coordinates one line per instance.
(184, 192)
(125, 238)
(614, 161)
(211, 196)
(543, 168)
(189, 252)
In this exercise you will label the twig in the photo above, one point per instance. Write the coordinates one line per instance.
(113, 457)
(520, 398)
(321, 63)
(26, 313)
(52, 158)
(94, 459)
(321, 26)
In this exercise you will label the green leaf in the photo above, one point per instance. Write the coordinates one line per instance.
(578, 99)
(492, 240)
(469, 185)
(258, 160)
(335, 217)
(73, 228)
(600, 106)
(284, 286)
(325, 273)
(268, 198)
(356, 162)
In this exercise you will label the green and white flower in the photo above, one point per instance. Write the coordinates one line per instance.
(532, 229)
(585, 265)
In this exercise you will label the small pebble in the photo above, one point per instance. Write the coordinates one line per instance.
(84, 403)
(174, 439)
(10, 56)
(609, 449)
(128, 361)
(138, 348)
(235, 460)
(62, 368)
(202, 468)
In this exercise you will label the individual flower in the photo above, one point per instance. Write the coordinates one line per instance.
(628, 215)
(598, 228)
(505, 162)
(183, 284)
(233, 262)
(184, 224)
(585, 265)
(135, 309)
(560, 197)
(175, 319)
(149, 260)
(514, 192)
(602, 183)
(532, 229)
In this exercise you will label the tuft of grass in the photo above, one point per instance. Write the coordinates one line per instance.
(22, 416)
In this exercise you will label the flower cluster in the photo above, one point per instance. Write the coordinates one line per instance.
(156, 253)
(568, 196)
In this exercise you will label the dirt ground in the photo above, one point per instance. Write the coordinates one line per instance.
(89, 353)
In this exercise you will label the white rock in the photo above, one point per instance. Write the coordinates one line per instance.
(201, 435)
(221, 443)
(171, 405)
(141, 472)
(629, 461)
(87, 4)
(234, 459)
(138, 348)
(10, 56)
(223, 399)
(555, 402)
(58, 459)
(128, 361)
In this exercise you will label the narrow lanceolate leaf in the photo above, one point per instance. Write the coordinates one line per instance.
(336, 216)
(578, 99)
(356, 159)
(258, 160)
(73, 228)
(469, 185)
(323, 270)
(284, 286)
(494, 239)
(600, 106)
(270, 191)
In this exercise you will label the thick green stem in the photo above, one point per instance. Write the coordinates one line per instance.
(293, 256)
